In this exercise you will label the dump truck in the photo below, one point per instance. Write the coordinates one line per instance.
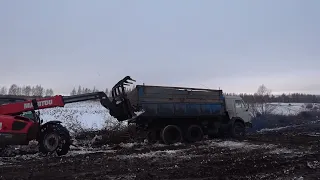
(176, 114)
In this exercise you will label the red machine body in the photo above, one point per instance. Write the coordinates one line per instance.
(17, 130)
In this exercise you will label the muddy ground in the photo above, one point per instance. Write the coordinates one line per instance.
(283, 153)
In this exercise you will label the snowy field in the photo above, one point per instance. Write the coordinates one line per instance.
(293, 108)
(92, 115)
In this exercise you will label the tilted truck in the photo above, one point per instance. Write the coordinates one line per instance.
(175, 114)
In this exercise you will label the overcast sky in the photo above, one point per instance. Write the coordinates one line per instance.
(235, 45)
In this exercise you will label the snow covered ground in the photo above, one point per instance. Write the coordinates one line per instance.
(82, 115)
(293, 108)
(94, 116)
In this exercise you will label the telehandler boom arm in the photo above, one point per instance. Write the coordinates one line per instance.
(118, 107)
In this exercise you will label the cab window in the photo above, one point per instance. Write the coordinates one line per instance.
(239, 104)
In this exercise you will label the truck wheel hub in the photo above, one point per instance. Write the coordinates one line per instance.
(51, 142)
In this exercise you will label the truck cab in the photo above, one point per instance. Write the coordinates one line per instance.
(238, 109)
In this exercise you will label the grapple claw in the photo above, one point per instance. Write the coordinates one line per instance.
(119, 97)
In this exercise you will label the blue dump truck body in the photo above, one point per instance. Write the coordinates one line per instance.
(175, 114)
(172, 102)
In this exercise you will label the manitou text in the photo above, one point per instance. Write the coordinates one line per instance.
(40, 104)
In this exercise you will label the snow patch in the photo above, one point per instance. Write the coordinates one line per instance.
(298, 178)
(274, 129)
(28, 157)
(314, 134)
(272, 149)
(313, 164)
(238, 145)
(281, 151)
(127, 145)
(84, 115)
(87, 151)
(165, 153)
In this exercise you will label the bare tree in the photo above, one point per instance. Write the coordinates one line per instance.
(73, 92)
(79, 90)
(49, 92)
(13, 90)
(27, 91)
(38, 91)
(87, 90)
(3, 91)
(261, 101)
(95, 89)
(19, 91)
(23, 90)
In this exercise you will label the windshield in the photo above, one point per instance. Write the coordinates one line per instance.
(28, 114)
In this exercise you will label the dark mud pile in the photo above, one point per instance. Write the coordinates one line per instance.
(284, 153)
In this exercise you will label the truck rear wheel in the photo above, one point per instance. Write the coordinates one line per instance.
(54, 138)
(171, 134)
(194, 133)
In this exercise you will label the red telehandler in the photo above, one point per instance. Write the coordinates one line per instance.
(52, 136)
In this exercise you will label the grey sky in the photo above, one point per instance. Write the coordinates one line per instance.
(235, 45)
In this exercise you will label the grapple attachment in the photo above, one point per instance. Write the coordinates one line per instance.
(119, 90)
(121, 101)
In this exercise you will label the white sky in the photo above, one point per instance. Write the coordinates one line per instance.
(234, 45)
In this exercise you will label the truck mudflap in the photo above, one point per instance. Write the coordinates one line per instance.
(123, 109)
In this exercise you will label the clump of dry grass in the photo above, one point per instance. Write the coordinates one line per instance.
(113, 133)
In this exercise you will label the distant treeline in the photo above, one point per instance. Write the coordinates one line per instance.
(16, 90)
(263, 94)
(284, 98)
(83, 90)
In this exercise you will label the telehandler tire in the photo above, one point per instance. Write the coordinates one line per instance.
(171, 134)
(54, 139)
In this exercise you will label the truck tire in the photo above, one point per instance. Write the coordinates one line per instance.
(171, 134)
(238, 130)
(54, 138)
(194, 133)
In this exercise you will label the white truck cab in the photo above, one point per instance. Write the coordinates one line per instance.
(237, 108)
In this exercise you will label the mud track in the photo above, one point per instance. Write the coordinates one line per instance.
(288, 153)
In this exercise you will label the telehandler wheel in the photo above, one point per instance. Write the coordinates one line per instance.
(54, 138)
(194, 133)
(238, 130)
(171, 134)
